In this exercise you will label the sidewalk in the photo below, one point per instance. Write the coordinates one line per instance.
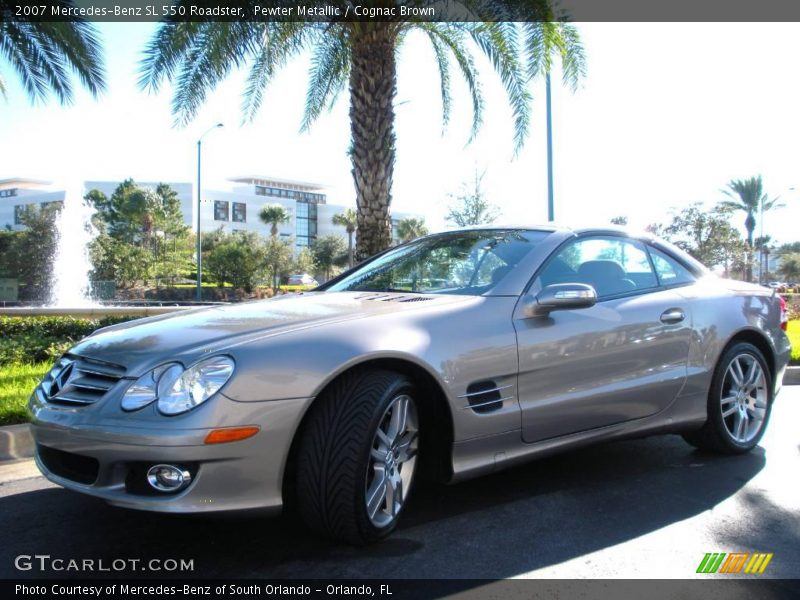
(18, 470)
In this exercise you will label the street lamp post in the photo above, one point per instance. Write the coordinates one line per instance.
(550, 202)
(199, 197)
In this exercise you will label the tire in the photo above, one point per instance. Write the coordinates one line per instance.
(343, 462)
(724, 434)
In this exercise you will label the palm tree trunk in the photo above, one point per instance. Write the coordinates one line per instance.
(750, 225)
(373, 84)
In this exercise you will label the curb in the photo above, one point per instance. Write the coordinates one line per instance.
(16, 442)
(792, 376)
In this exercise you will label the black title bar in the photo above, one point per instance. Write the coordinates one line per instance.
(322, 11)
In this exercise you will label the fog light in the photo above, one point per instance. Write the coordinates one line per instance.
(168, 478)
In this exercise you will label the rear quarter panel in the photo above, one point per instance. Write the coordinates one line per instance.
(721, 310)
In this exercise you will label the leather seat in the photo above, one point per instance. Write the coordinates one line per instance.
(607, 277)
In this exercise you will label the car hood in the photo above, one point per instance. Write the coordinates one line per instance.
(141, 344)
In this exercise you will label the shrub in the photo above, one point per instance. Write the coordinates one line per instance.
(793, 308)
(44, 339)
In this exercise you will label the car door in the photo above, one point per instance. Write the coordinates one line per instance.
(624, 358)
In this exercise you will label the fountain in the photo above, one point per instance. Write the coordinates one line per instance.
(75, 231)
(70, 293)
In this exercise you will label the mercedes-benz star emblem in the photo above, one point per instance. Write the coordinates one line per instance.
(61, 380)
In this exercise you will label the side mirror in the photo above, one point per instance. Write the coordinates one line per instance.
(560, 296)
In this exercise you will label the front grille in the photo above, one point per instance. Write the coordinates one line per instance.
(78, 381)
(81, 469)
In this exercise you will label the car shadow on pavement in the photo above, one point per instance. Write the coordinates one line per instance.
(499, 526)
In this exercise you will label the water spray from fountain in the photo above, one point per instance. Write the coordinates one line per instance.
(72, 265)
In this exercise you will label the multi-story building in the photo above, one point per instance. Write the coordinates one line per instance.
(18, 192)
(237, 209)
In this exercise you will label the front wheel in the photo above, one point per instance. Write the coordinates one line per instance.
(739, 403)
(358, 456)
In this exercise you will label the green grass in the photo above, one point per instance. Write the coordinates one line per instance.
(17, 381)
(793, 331)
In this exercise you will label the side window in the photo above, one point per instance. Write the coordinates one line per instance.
(611, 265)
(669, 271)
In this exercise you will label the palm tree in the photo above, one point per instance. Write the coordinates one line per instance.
(273, 214)
(410, 229)
(749, 197)
(361, 56)
(43, 53)
(349, 220)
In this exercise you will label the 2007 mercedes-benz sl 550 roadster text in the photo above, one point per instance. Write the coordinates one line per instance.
(447, 357)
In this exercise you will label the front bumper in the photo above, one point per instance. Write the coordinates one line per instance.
(108, 460)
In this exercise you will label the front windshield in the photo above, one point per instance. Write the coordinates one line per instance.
(462, 262)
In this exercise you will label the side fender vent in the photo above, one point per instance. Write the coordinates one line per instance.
(485, 396)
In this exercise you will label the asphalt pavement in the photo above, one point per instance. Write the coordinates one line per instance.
(646, 508)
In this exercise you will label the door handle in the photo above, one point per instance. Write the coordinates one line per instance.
(673, 315)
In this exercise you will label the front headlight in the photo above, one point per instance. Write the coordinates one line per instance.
(145, 389)
(179, 390)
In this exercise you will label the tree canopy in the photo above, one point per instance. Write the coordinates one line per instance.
(470, 206)
(44, 53)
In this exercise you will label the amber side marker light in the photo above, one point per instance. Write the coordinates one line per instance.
(230, 434)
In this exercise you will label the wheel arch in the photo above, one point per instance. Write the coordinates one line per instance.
(760, 341)
(436, 450)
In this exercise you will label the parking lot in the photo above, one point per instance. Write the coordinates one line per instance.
(648, 508)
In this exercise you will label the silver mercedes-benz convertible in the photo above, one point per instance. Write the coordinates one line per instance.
(448, 357)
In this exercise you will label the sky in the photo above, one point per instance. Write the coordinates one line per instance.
(668, 114)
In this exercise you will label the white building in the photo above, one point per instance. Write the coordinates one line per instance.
(232, 210)
(18, 192)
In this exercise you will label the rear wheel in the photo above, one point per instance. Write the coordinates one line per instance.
(739, 403)
(358, 456)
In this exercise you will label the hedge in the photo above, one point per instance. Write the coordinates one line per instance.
(38, 339)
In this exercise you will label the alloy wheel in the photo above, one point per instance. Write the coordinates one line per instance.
(743, 399)
(392, 461)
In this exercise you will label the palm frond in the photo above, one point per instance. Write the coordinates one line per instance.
(216, 51)
(545, 40)
(164, 53)
(16, 45)
(44, 53)
(539, 47)
(771, 203)
(499, 43)
(330, 68)
(77, 45)
(453, 40)
(746, 193)
(274, 45)
(443, 63)
(573, 57)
